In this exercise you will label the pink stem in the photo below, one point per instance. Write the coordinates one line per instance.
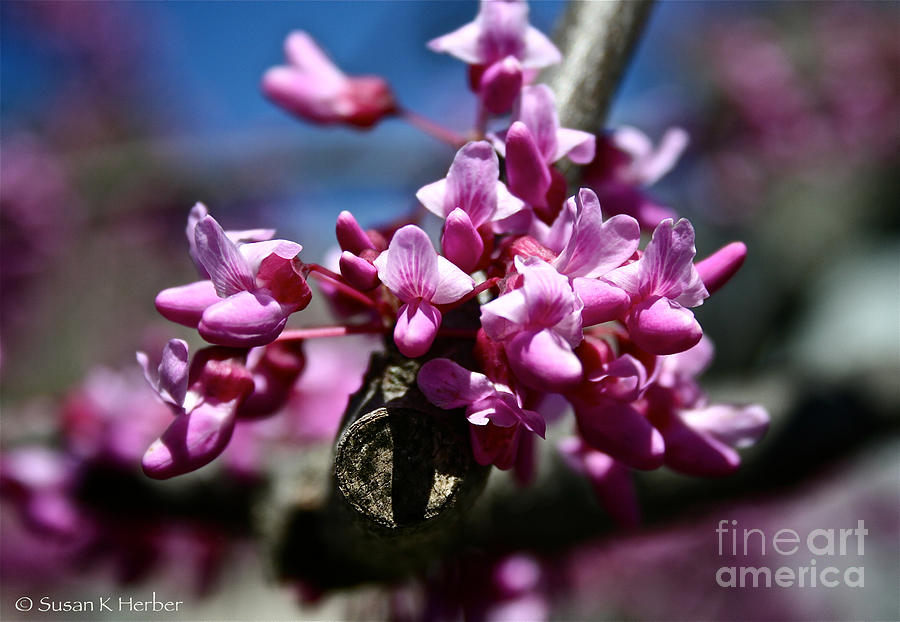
(318, 332)
(326, 275)
(478, 289)
(433, 129)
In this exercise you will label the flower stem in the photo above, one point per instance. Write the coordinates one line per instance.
(433, 129)
(336, 281)
(318, 332)
(478, 289)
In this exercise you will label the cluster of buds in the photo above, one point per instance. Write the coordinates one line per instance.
(567, 302)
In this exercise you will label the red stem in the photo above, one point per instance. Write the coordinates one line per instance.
(433, 129)
(337, 281)
(317, 332)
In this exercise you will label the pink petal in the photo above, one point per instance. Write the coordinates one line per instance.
(416, 328)
(661, 326)
(737, 426)
(696, 453)
(255, 252)
(625, 434)
(549, 298)
(243, 320)
(227, 268)
(507, 204)
(609, 478)
(624, 380)
(359, 273)
(192, 440)
(350, 235)
(432, 198)
(281, 277)
(597, 247)
(461, 242)
(539, 50)
(503, 26)
(537, 110)
(500, 85)
(526, 169)
(185, 304)
(495, 445)
(579, 146)
(173, 370)
(603, 301)
(449, 385)
(663, 159)
(543, 360)
(409, 267)
(198, 212)
(302, 51)
(452, 284)
(462, 43)
(472, 182)
(502, 317)
(718, 268)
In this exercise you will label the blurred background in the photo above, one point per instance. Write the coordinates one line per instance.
(117, 117)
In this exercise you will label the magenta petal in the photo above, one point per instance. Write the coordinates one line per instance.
(243, 320)
(358, 272)
(449, 385)
(696, 453)
(173, 370)
(495, 445)
(661, 326)
(185, 304)
(622, 432)
(737, 426)
(667, 267)
(472, 182)
(718, 268)
(409, 267)
(597, 247)
(580, 146)
(603, 301)
(452, 283)
(417, 325)
(502, 317)
(539, 50)
(460, 241)
(543, 360)
(461, 43)
(227, 268)
(191, 441)
(281, 277)
(500, 85)
(302, 51)
(537, 110)
(526, 169)
(350, 235)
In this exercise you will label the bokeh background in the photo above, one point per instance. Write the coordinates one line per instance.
(117, 117)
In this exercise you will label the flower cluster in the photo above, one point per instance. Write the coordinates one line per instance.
(560, 299)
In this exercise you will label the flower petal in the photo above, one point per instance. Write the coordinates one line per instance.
(661, 326)
(667, 267)
(718, 268)
(526, 169)
(579, 146)
(597, 247)
(462, 43)
(350, 235)
(409, 267)
(617, 429)
(502, 317)
(448, 385)
(432, 197)
(495, 445)
(737, 426)
(243, 320)
(460, 242)
(472, 182)
(537, 110)
(185, 304)
(416, 328)
(173, 371)
(694, 452)
(543, 360)
(227, 268)
(359, 273)
(663, 159)
(302, 51)
(500, 85)
(539, 50)
(603, 301)
(192, 440)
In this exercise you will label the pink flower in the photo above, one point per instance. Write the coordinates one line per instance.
(608, 477)
(420, 278)
(204, 397)
(700, 437)
(626, 162)
(470, 196)
(313, 88)
(539, 324)
(500, 29)
(535, 141)
(252, 290)
(495, 412)
(662, 284)
(595, 248)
